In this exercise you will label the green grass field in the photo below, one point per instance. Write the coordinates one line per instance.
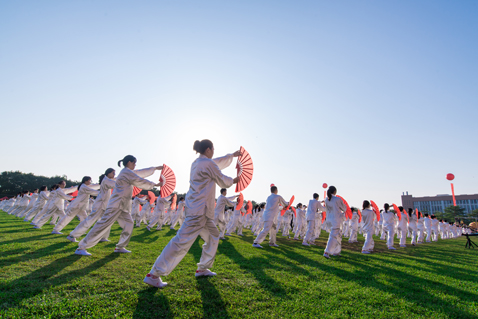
(40, 277)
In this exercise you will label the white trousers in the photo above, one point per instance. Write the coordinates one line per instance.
(87, 223)
(369, 244)
(31, 214)
(310, 235)
(236, 223)
(334, 244)
(353, 235)
(65, 220)
(179, 246)
(157, 219)
(429, 234)
(270, 227)
(403, 237)
(53, 212)
(390, 233)
(103, 226)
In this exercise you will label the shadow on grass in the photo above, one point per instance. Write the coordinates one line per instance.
(152, 304)
(43, 252)
(28, 286)
(27, 239)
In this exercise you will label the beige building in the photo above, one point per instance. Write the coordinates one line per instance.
(438, 203)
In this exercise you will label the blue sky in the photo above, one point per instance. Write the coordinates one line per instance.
(374, 97)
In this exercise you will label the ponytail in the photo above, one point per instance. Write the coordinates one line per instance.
(202, 146)
(386, 206)
(331, 192)
(366, 204)
(126, 160)
(107, 172)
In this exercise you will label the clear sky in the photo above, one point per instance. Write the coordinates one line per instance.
(374, 97)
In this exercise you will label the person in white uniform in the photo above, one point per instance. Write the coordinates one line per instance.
(271, 215)
(199, 211)
(58, 204)
(314, 209)
(162, 204)
(403, 227)
(107, 184)
(368, 216)
(221, 203)
(78, 206)
(335, 210)
(119, 206)
(39, 203)
(388, 225)
(353, 226)
(31, 204)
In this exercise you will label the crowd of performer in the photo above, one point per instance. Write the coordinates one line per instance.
(99, 206)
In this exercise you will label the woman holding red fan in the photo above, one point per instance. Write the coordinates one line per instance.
(335, 207)
(199, 212)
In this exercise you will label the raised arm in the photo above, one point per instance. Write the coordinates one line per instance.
(218, 177)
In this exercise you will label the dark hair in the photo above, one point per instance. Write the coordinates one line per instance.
(273, 189)
(181, 198)
(299, 205)
(83, 180)
(36, 189)
(223, 190)
(316, 196)
(366, 204)
(53, 187)
(43, 188)
(426, 215)
(202, 146)
(386, 206)
(61, 181)
(410, 212)
(126, 160)
(263, 205)
(400, 208)
(330, 192)
(108, 171)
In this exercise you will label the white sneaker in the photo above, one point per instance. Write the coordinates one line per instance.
(72, 239)
(32, 224)
(403, 246)
(103, 240)
(392, 248)
(82, 252)
(222, 237)
(158, 283)
(313, 244)
(147, 227)
(365, 252)
(257, 246)
(326, 256)
(305, 244)
(273, 245)
(36, 227)
(122, 250)
(205, 273)
(56, 233)
(228, 234)
(159, 228)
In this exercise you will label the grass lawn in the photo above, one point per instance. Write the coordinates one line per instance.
(41, 277)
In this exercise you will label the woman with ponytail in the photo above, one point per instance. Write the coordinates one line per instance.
(119, 206)
(335, 207)
(389, 225)
(79, 205)
(199, 211)
(107, 183)
(367, 218)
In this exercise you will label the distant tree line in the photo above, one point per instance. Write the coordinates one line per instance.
(12, 183)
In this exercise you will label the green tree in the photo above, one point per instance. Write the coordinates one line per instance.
(453, 213)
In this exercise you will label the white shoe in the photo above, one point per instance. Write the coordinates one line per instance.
(122, 250)
(32, 224)
(52, 223)
(257, 246)
(36, 227)
(72, 239)
(56, 233)
(103, 240)
(313, 244)
(158, 283)
(403, 246)
(82, 252)
(365, 252)
(305, 244)
(273, 245)
(326, 256)
(147, 227)
(222, 237)
(228, 234)
(392, 248)
(205, 273)
(159, 228)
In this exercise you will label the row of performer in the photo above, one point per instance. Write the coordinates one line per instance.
(201, 214)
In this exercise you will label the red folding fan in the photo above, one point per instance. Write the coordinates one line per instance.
(136, 191)
(282, 212)
(324, 215)
(152, 197)
(174, 201)
(399, 214)
(375, 209)
(360, 215)
(249, 207)
(348, 212)
(169, 181)
(240, 202)
(74, 194)
(245, 170)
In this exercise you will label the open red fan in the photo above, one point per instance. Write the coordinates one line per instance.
(295, 212)
(245, 170)
(360, 215)
(324, 215)
(397, 211)
(152, 197)
(249, 207)
(240, 202)
(282, 212)
(169, 181)
(136, 191)
(375, 209)
(348, 212)
(75, 193)
(173, 202)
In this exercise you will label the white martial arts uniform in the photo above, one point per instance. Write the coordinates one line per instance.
(57, 208)
(389, 227)
(119, 208)
(199, 211)
(354, 221)
(368, 216)
(335, 208)
(97, 210)
(162, 204)
(313, 213)
(219, 219)
(271, 214)
(403, 229)
(39, 204)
